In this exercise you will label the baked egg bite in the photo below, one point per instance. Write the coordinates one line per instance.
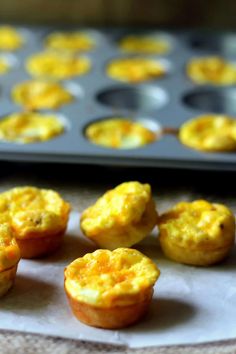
(197, 233)
(9, 258)
(41, 94)
(135, 69)
(4, 66)
(110, 289)
(210, 133)
(119, 133)
(71, 42)
(122, 217)
(38, 218)
(30, 127)
(211, 70)
(145, 44)
(57, 65)
(10, 39)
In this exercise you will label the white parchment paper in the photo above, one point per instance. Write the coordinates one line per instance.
(190, 305)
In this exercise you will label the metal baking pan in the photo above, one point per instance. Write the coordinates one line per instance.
(165, 103)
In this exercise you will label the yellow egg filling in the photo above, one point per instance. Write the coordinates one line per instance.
(144, 44)
(213, 70)
(106, 279)
(135, 69)
(57, 65)
(29, 127)
(10, 39)
(119, 133)
(9, 251)
(72, 42)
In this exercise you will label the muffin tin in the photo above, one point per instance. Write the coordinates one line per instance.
(160, 104)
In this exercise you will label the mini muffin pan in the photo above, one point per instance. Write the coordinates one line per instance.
(161, 104)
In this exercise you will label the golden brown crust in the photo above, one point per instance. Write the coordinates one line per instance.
(7, 278)
(113, 317)
(198, 257)
(33, 247)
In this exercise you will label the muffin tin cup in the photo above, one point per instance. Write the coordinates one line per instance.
(168, 102)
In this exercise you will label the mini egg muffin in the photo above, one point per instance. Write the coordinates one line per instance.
(4, 66)
(29, 127)
(71, 41)
(122, 217)
(38, 218)
(211, 70)
(57, 65)
(198, 233)
(210, 133)
(145, 44)
(10, 39)
(110, 289)
(9, 258)
(41, 94)
(136, 69)
(119, 133)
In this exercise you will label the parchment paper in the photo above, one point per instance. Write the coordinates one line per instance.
(190, 305)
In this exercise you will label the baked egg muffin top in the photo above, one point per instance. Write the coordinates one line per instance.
(135, 69)
(9, 250)
(213, 70)
(119, 133)
(54, 65)
(29, 127)
(33, 211)
(122, 205)
(36, 94)
(111, 278)
(209, 133)
(198, 225)
(146, 44)
(10, 39)
(71, 41)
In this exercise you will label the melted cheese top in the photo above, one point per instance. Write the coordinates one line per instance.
(57, 65)
(9, 250)
(122, 206)
(144, 44)
(104, 278)
(214, 70)
(36, 94)
(135, 69)
(10, 39)
(198, 225)
(119, 133)
(32, 211)
(209, 133)
(29, 127)
(72, 42)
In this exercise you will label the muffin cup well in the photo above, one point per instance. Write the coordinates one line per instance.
(7, 279)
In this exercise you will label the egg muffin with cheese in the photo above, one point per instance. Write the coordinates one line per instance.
(122, 217)
(9, 258)
(145, 44)
(71, 41)
(211, 70)
(198, 233)
(4, 66)
(55, 65)
(110, 289)
(135, 69)
(119, 133)
(210, 133)
(29, 127)
(41, 94)
(38, 218)
(10, 39)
